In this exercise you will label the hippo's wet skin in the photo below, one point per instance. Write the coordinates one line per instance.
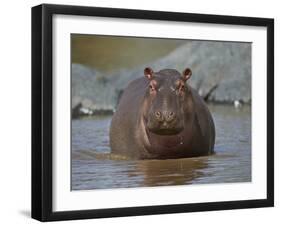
(159, 116)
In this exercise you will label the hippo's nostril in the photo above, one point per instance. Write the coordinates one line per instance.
(170, 116)
(158, 114)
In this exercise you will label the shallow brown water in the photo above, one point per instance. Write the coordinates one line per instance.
(94, 168)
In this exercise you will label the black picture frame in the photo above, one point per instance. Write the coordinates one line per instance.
(42, 107)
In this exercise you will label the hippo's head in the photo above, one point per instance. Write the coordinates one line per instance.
(165, 97)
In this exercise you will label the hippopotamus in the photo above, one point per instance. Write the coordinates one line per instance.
(160, 116)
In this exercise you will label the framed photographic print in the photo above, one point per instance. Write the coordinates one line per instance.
(145, 112)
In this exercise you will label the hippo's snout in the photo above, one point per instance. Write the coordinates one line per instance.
(165, 116)
(164, 123)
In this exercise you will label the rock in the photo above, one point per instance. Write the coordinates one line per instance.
(85, 111)
(221, 70)
(90, 90)
(76, 111)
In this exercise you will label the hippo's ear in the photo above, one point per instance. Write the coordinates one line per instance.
(148, 72)
(186, 74)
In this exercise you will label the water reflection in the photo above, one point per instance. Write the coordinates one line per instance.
(171, 171)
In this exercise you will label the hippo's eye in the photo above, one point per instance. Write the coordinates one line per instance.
(152, 88)
(181, 89)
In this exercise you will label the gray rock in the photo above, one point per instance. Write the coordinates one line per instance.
(90, 89)
(221, 70)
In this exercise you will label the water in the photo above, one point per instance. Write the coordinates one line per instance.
(94, 168)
